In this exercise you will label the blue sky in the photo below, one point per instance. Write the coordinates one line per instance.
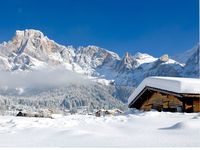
(151, 26)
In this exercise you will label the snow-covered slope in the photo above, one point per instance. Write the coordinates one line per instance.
(183, 57)
(192, 66)
(71, 97)
(150, 129)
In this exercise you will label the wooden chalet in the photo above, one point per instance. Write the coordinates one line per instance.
(167, 94)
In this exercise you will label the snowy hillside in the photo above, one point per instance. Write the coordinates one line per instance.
(72, 97)
(150, 129)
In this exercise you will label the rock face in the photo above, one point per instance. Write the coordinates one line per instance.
(30, 49)
(164, 58)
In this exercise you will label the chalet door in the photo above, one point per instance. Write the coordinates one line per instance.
(189, 105)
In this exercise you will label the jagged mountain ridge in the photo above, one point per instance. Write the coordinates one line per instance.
(30, 49)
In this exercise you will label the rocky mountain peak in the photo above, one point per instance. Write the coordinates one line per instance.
(95, 51)
(128, 60)
(164, 58)
(29, 33)
(127, 63)
(32, 49)
(93, 56)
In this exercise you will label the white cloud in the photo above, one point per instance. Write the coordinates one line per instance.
(41, 78)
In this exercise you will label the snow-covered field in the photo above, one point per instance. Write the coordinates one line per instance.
(149, 129)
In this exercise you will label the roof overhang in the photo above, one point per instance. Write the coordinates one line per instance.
(179, 87)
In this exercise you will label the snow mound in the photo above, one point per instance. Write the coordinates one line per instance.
(184, 125)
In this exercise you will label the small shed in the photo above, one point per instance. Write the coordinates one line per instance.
(172, 94)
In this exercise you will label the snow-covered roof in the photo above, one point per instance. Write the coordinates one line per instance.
(173, 84)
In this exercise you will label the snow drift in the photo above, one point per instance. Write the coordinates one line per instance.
(138, 129)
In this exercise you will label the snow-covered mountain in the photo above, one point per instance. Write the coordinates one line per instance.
(30, 49)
